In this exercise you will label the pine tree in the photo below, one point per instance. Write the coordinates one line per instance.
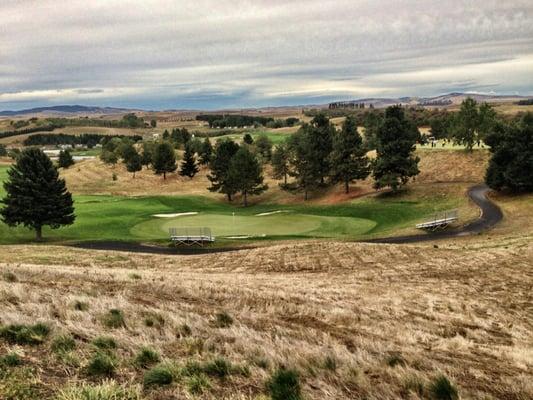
(395, 162)
(348, 157)
(164, 160)
(219, 177)
(320, 139)
(280, 162)
(134, 163)
(65, 159)
(246, 172)
(3, 150)
(263, 146)
(206, 152)
(147, 153)
(36, 197)
(304, 166)
(466, 124)
(188, 165)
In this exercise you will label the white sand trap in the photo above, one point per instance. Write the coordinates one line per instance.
(174, 215)
(271, 212)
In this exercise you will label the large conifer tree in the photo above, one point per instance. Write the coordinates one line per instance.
(36, 197)
(220, 162)
(164, 159)
(246, 173)
(188, 165)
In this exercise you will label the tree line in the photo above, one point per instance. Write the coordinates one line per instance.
(86, 139)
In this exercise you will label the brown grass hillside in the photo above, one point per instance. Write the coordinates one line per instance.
(357, 321)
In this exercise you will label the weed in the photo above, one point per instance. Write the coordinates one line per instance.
(223, 320)
(160, 375)
(146, 357)
(197, 384)
(284, 385)
(114, 319)
(442, 389)
(105, 343)
(107, 390)
(10, 360)
(25, 334)
(101, 365)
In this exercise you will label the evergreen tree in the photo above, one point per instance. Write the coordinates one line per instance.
(487, 121)
(65, 159)
(108, 157)
(320, 139)
(206, 152)
(466, 124)
(219, 177)
(248, 139)
(263, 146)
(164, 160)
(304, 167)
(127, 150)
(153, 123)
(3, 150)
(246, 172)
(395, 162)
(348, 157)
(372, 124)
(147, 154)
(511, 163)
(134, 163)
(35, 195)
(188, 165)
(280, 162)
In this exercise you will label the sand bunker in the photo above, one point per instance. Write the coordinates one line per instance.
(174, 215)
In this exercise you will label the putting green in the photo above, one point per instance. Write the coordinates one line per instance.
(282, 224)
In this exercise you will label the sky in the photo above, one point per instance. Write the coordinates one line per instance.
(209, 54)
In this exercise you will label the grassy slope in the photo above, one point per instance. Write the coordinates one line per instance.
(340, 313)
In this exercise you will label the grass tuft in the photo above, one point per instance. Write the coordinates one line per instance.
(9, 277)
(330, 363)
(25, 334)
(160, 375)
(63, 344)
(80, 306)
(183, 330)
(284, 384)
(10, 360)
(395, 359)
(146, 357)
(442, 389)
(223, 320)
(154, 320)
(114, 319)
(198, 384)
(101, 364)
(219, 367)
(105, 343)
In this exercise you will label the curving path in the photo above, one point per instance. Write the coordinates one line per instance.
(490, 216)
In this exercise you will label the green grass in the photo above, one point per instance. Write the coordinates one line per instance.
(131, 218)
(275, 136)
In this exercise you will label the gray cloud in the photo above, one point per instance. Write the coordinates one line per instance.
(169, 54)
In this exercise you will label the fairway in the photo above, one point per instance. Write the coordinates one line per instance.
(280, 224)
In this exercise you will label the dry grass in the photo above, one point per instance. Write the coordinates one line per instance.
(341, 314)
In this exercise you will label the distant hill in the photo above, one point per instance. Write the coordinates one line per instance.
(65, 109)
(444, 100)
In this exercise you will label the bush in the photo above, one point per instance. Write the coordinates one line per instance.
(105, 343)
(197, 384)
(442, 389)
(223, 320)
(146, 357)
(80, 306)
(284, 385)
(101, 365)
(24, 334)
(9, 277)
(63, 344)
(108, 390)
(158, 376)
(114, 319)
(10, 360)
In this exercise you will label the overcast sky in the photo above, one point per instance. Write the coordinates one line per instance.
(162, 54)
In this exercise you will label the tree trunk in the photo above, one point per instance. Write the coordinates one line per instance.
(346, 186)
(305, 194)
(229, 196)
(285, 178)
(38, 233)
(245, 198)
(134, 175)
(164, 175)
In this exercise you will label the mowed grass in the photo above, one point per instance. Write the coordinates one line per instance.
(106, 217)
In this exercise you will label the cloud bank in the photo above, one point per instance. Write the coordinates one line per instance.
(160, 54)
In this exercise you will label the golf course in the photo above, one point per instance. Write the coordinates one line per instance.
(148, 218)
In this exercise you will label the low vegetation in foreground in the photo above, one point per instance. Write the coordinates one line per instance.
(306, 321)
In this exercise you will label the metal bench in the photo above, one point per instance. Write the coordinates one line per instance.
(441, 220)
(191, 236)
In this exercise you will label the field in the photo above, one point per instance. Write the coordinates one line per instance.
(356, 321)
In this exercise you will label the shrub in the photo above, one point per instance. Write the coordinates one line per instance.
(284, 385)
(108, 390)
(158, 376)
(24, 334)
(63, 343)
(10, 360)
(146, 357)
(114, 319)
(183, 330)
(197, 384)
(80, 306)
(9, 277)
(223, 320)
(442, 389)
(105, 343)
(101, 365)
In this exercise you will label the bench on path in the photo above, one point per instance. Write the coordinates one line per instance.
(441, 220)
